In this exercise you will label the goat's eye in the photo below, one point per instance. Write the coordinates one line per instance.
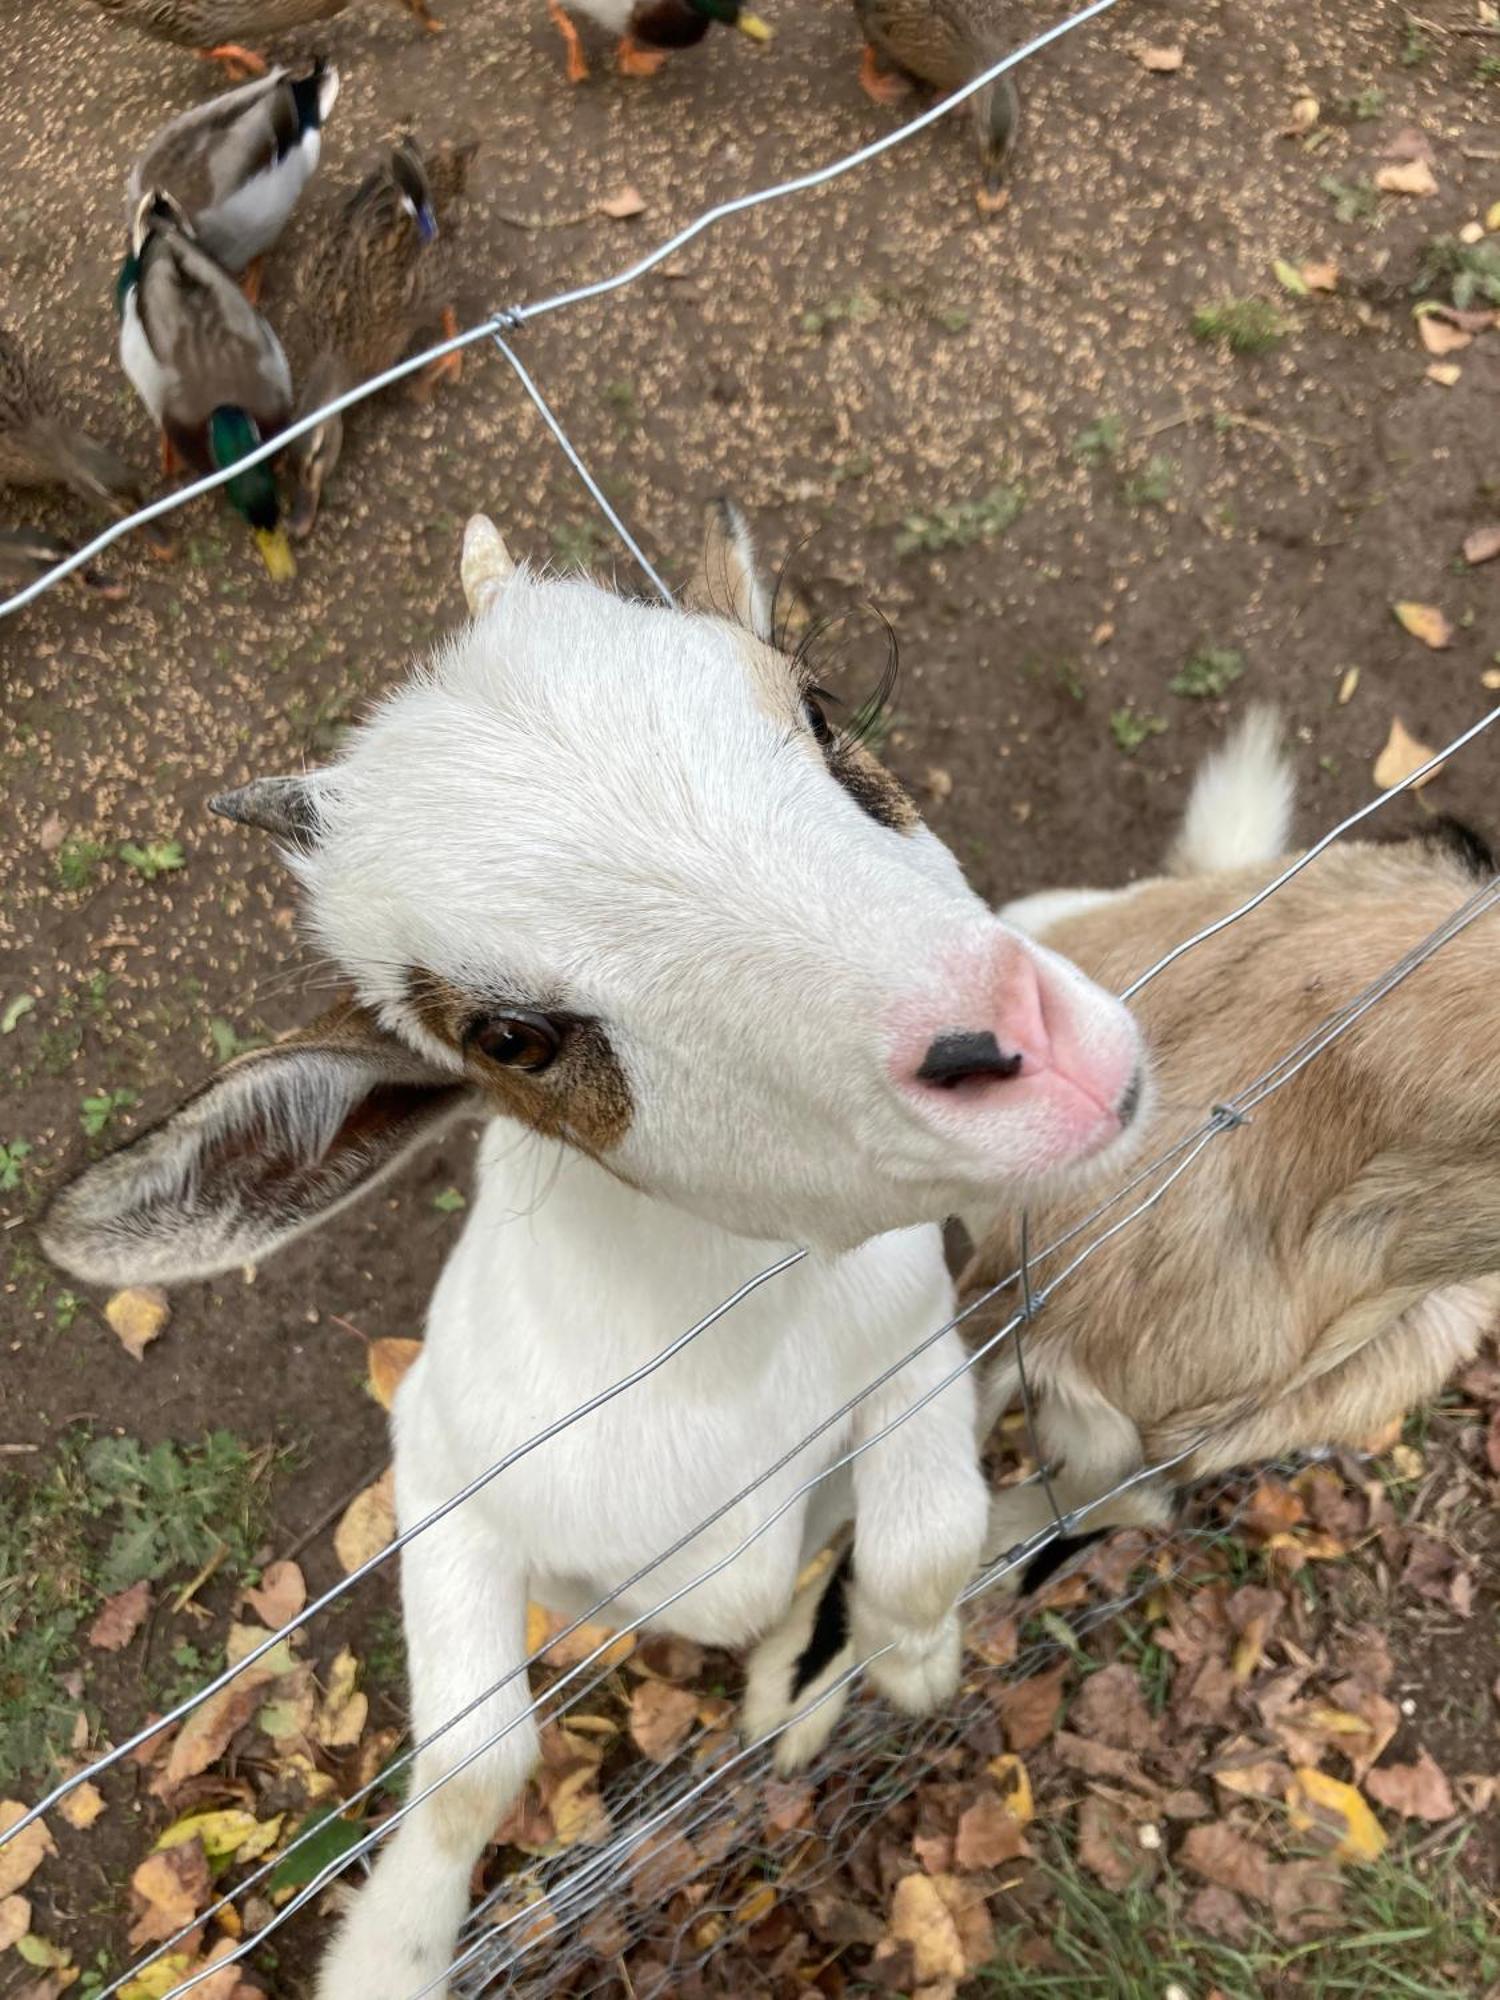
(516, 1041)
(817, 721)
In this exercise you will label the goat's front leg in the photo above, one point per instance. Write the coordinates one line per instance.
(920, 1507)
(465, 1620)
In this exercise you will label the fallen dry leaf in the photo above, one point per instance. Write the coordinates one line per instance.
(1011, 1775)
(1447, 374)
(1406, 177)
(1029, 1708)
(938, 783)
(946, 1924)
(15, 1920)
(1220, 1913)
(1223, 1856)
(1490, 678)
(368, 1524)
(206, 1734)
(138, 1315)
(389, 1360)
(231, 1832)
(1272, 1509)
(1315, 1800)
(1410, 143)
(1160, 61)
(1111, 1708)
(1347, 686)
(1482, 546)
(280, 1594)
(987, 1835)
(23, 1853)
(1402, 755)
(1305, 113)
(1107, 1845)
(1416, 1791)
(170, 1888)
(341, 1720)
(120, 1618)
(82, 1806)
(1321, 275)
(660, 1718)
(622, 206)
(1439, 337)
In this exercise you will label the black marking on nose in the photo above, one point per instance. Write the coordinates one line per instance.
(1130, 1103)
(954, 1059)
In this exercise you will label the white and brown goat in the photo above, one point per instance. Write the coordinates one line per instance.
(604, 875)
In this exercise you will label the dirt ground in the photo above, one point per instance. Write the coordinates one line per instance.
(843, 363)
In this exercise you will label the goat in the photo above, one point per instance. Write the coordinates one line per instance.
(1317, 1272)
(605, 873)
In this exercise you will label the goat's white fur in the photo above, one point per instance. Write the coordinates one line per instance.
(621, 811)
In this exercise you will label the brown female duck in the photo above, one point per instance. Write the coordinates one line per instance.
(219, 29)
(947, 43)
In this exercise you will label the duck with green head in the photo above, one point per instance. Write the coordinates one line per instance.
(205, 364)
(650, 29)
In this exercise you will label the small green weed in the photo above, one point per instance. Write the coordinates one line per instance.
(1101, 442)
(1152, 484)
(1353, 201)
(177, 1504)
(98, 1112)
(151, 858)
(1362, 106)
(1416, 49)
(1468, 272)
(621, 399)
(228, 1042)
(13, 1158)
(953, 319)
(855, 309)
(858, 465)
(578, 544)
(449, 1202)
(1131, 729)
(385, 1653)
(1487, 69)
(77, 859)
(961, 523)
(1244, 326)
(1209, 673)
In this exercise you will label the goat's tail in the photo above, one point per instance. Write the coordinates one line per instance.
(1240, 811)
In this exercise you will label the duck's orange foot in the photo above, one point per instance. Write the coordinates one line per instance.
(420, 11)
(632, 60)
(447, 368)
(990, 201)
(578, 68)
(171, 461)
(883, 86)
(240, 64)
(251, 278)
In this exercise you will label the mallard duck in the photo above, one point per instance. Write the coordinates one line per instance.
(236, 165)
(40, 445)
(26, 553)
(370, 286)
(205, 364)
(218, 29)
(650, 29)
(947, 43)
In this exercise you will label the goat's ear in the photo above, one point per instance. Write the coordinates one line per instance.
(726, 580)
(485, 567)
(275, 1143)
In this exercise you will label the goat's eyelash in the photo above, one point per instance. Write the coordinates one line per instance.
(812, 662)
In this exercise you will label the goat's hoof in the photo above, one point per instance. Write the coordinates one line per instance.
(917, 1671)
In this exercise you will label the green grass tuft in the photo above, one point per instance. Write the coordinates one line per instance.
(1244, 326)
(1210, 672)
(961, 523)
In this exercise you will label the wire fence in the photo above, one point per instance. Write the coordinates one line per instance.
(577, 1909)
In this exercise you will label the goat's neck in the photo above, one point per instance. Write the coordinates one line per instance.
(612, 1274)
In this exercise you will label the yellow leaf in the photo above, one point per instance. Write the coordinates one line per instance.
(1161, 62)
(1402, 755)
(1312, 1792)
(540, 1625)
(1337, 1721)
(1446, 374)
(1424, 622)
(921, 1918)
(579, 1816)
(369, 1524)
(1290, 278)
(44, 1956)
(341, 1720)
(82, 1807)
(1015, 1787)
(1490, 678)
(759, 1903)
(23, 1853)
(1321, 275)
(159, 1978)
(1304, 116)
(1441, 336)
(15, 1920)
(1347, 686)
(138, 1315)
(389, 1361)
(622, 206)
(1406, 177)
(223, 1833)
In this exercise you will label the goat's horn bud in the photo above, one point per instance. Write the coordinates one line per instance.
(282, 806)
(485, 566)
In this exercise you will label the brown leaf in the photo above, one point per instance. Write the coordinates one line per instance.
(665, 1657)
(1482, 546)
(1225, 1857)
(207, 1733)
(622, 206)
(1410, 143)
(1100, 1760)
(1439, 338)
(15, 1920)
(1219, 1913)
(169, 1890)
(1425, 622)
(1160, 61)
(389, 1360)
(988, 1834)
(1029, 1708)
(1272, 1509)
(138, 1315)
(1305, 1898)
(1408, 177)
(1402, 755)
(945, 1923)
(368, 1524)
(1111, 1707)
(23, 1853)
(280, 1594)
(120, 1618)
(1107, 1845)
(1446, 374)
(661, 1717)
(1416, 1791)
(1321, 275)
(1250, 1772)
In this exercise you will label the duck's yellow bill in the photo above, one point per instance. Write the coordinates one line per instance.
(753, 26)
(276, 553)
